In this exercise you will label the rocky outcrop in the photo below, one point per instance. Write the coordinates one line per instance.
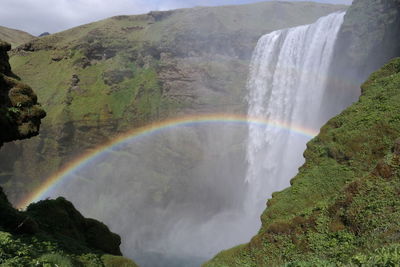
(66, 222)
(369, 36)
(20, 114)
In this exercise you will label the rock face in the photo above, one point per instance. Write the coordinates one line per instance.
(367, 40)
(369, 36)
(20, 114)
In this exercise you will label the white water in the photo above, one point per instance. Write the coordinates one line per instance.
(288, 77)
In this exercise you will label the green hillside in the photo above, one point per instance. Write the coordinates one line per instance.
(343, 205)
(14, 37)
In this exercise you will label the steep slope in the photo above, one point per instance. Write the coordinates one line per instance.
(14, 37)
(343, 205)
(51, 232)
(113, 75)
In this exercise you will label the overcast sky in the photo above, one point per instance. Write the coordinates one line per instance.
(38, 16)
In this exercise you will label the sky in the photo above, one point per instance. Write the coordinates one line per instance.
(38, 16)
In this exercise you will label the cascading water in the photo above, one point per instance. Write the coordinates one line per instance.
(288, 77)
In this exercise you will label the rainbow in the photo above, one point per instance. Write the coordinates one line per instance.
(86, 157)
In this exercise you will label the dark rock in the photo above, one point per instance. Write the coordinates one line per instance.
(75, 80)
(57, 57)
(27, 47)
(44, 34)
(13, 220)
(100, 237)
(94, 50)
(66, 221)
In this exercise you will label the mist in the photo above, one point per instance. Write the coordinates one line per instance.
(176, 196)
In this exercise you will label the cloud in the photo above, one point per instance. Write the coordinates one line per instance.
(37, 16)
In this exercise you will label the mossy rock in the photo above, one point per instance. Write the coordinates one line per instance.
(20, 114)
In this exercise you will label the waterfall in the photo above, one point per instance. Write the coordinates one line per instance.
(176, 196)
(287, 80)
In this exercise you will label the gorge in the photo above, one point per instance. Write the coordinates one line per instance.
(152, 129)
(198, 197)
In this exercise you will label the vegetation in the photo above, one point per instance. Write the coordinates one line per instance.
(53, 233)
(343, 206)
(17, 251)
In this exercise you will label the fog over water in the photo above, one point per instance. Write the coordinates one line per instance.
(179, 196)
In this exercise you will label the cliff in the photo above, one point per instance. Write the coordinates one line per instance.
(367, 40)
